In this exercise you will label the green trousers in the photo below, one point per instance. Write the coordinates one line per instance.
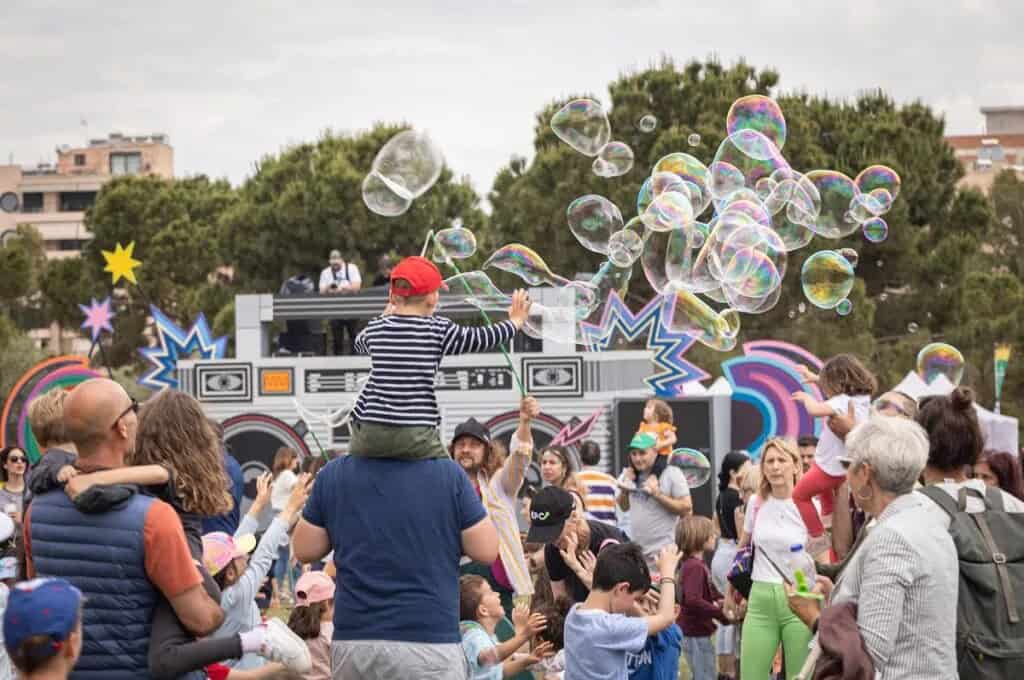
(769, 621)
(372, 440)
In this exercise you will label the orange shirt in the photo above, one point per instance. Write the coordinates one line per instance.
(658, 430)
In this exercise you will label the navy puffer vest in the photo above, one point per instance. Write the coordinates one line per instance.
(103, 556)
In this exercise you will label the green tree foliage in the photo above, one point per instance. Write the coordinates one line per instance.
(307, 200)
(21, 263)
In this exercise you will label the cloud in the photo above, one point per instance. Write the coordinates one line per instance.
(232, 81)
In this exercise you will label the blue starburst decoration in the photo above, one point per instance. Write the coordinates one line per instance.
(668, 346)
(175, 343)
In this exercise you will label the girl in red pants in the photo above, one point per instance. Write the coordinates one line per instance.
(843, 380)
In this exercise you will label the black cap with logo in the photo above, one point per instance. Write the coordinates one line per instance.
(550, 508)
(475, 429)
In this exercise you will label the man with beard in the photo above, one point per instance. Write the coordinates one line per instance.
(498, 480)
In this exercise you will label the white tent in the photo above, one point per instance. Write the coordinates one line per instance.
(1000, 432)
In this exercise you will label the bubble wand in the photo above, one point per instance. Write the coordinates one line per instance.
(451, 263)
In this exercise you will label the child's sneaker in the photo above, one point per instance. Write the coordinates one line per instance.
(282, 645)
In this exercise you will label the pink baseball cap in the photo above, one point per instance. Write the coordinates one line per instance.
(219, 549)
(313, 587)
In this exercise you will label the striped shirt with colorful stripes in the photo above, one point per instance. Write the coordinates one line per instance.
(599, 488)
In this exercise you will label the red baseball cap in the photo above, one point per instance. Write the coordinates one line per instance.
(422, 275)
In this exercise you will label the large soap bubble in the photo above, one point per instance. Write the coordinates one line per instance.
(669, 210)
(879, 178)
(685, 312)
(613, 160)
(743, 158)
(383, 197)
(827, 279)
(525, 263)
(410, 162)
(593, 219)
(759, 113)
(625, 247)
(939, 358)
(583, 125)
(692, 172)
(456, 243)
(875, 230)
(835, 194)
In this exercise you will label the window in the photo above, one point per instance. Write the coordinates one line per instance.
(70, 244)
(79, 160)
(991, 153)
(75, 201)
(32, 202)
(126, 163)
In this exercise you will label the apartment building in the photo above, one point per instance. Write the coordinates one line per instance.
(1001, 147)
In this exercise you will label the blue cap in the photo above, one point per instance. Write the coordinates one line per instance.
(42, 606)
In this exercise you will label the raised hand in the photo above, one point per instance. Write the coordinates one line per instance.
(520, 307)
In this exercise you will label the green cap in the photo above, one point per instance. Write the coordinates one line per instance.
(642, 440)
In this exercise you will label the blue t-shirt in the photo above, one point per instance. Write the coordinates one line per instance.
(396, 529)
(596, 643)
(659, 659)
(228, 522)
(474, 641)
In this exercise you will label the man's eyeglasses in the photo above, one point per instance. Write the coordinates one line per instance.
(132, 407)
(882, 404)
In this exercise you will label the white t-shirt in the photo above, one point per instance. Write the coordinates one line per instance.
(776, 528)
(347, 273)
(974, 504)
(281, 489)
(653, 526)
(830, 447)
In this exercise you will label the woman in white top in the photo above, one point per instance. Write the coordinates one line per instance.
(954, 444)
(774, 526)
(286, 462)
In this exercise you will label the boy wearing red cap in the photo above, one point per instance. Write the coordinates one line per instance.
(396, 414)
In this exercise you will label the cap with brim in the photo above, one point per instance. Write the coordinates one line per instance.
(47, 607)
(549, 510)
(642, 440)
(421, 275)
(219, 549)
(335, 255)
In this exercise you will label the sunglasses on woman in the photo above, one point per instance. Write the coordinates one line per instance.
(17, 459)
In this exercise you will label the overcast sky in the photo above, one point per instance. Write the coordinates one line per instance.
(231, 81)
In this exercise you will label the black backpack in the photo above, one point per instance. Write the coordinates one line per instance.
(990, 549)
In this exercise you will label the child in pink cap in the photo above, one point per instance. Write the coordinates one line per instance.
(312, 620)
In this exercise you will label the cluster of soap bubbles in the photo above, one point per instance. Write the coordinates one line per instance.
(583, 125)
(720, 233)
(403, 170)
(712, 239)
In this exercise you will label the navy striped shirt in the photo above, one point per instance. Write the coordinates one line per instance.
(405, 352)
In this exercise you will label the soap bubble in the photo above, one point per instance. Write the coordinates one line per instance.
(792, 314)
(593, 219)
(692, 172)
(939, 358)
(455, 242)
(875, 230)
(381, 197)
(747, 154)
(685, 312)
(583, 125)
(693, 139)
(879, 177)
(760, 113)
(670, 210)
(883, 297)
(801, 308)
(625, 247)
(525, 263)
(611, 277)
(851, 255)
(614, 159)
(827, 279)
(844, 307)
(836, 192)
(913, 327)
(695, 466)
(647, 123)
(410, 163)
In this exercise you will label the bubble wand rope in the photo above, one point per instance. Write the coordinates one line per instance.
(451, 263)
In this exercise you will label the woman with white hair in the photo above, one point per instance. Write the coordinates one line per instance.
(904, 576)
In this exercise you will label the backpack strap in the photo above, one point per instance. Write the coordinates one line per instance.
(994, 498)
(999, 559)
(942, 499)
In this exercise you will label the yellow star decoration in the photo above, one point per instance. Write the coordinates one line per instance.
(120, 262)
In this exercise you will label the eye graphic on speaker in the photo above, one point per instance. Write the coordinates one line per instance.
(555, 377)
(224, 382)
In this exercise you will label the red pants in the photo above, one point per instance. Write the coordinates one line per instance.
(816, 482)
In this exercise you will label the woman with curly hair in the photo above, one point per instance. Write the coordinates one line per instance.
(1001, 470)
(177, 456)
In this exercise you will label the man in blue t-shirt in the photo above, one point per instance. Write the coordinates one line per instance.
(398, 529)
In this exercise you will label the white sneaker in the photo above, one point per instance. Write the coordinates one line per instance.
(280, 644)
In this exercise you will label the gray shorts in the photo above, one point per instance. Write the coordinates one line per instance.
(379, 659)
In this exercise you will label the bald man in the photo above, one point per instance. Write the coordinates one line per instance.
(122, 559)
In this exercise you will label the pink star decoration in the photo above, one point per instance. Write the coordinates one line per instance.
(97, 317)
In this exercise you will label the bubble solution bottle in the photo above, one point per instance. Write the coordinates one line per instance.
(801, 566)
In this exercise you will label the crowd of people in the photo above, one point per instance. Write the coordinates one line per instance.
(890, 546)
